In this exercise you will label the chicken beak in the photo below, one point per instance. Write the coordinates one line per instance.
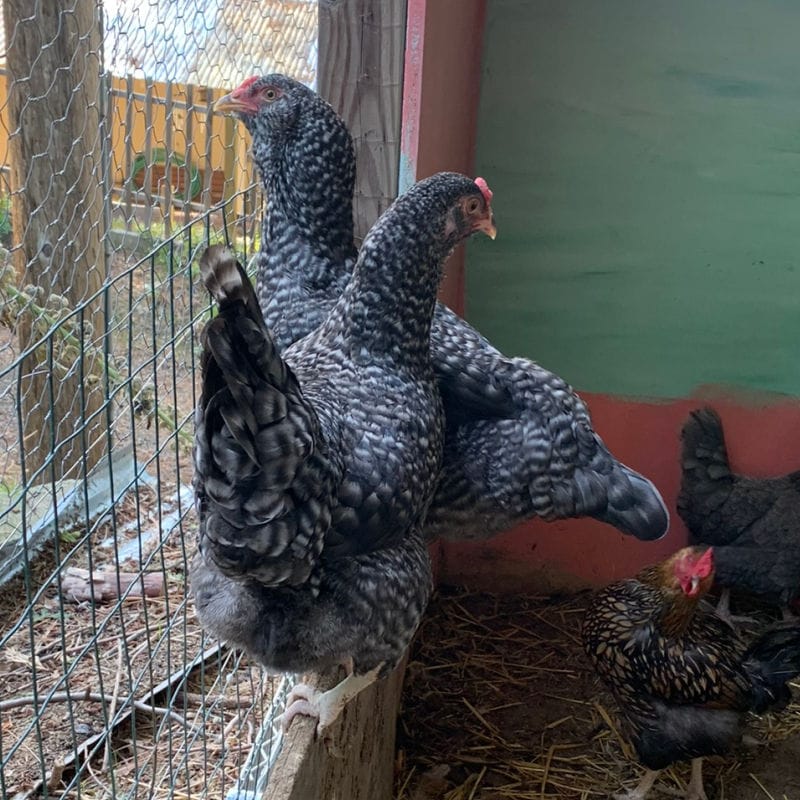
(488, 226)
(231, 104)
(694, 586)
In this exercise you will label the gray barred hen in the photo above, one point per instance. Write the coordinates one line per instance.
(313, 471)
(683, 680)
(519, 441)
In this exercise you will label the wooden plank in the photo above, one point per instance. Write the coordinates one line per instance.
(229, 166)
(187, 154)
(360, 73)
(359, 765)
(106, 135)
(148, 156)
(412, 94)
(440, 102)
(209, 120)
(128, 184)
(166, 206)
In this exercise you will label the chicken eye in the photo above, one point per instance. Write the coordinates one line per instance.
(270, 94)
(473, 204)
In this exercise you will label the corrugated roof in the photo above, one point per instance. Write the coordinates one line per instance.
(209, 42)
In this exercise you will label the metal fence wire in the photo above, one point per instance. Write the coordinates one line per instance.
(116, 173)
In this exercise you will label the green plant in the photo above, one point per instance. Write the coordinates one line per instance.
(5, 220)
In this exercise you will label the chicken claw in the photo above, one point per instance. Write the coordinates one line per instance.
(695, 790)
(307, 701)
(640, 792)
(723, 611)
(324, 706)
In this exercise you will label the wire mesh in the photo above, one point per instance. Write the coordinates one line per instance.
(116, 173)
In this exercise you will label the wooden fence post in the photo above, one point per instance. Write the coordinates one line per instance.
(54, 114)
(360, 73)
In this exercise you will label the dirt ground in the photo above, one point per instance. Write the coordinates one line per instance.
(207, 713)
(500, 704)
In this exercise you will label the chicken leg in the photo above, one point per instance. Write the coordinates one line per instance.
(640, 792)
(723, 610)
(325, 706)
(695, 790)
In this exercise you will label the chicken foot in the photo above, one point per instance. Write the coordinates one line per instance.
(325, 706)
(723, 610)
(695, 790)
(640, 792)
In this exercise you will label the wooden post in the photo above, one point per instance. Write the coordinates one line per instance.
(129, 184)
(207, 95)
(359, 765)
(54, 118)
(188, 153)
(166, 208)
(444, 40)
(230, 186)
(360, 73)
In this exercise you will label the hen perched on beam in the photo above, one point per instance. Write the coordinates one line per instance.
(314, 469)
(520, 442)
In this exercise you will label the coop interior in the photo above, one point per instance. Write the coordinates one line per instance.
(643, 164)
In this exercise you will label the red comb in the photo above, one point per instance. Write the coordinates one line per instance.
(246, 83)
(485, 190)
(705, 563)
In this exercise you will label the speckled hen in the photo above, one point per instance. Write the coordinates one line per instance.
(519, 442)
(313, 471)
(684, 682)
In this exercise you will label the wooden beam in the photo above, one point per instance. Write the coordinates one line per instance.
(360, 73)
(358, 765)
(55, 155)
(441, 90)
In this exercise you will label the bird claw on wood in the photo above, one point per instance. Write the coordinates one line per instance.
(307, 701)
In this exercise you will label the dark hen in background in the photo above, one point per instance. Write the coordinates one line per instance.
(753, 523)
(684, 682)
(313, 470)
(519, 441)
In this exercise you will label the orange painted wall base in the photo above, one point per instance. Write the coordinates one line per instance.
(763, 438)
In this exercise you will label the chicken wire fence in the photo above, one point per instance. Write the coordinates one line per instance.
(116, 173)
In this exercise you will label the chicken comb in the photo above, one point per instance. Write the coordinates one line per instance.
(704, 565)
(246, 84)
(485, 190)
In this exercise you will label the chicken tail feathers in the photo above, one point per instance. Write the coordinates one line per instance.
(706, 477)
(704, 458)
(259, 470)
(773, 660)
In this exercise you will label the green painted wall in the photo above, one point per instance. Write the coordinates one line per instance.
(645, 159)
